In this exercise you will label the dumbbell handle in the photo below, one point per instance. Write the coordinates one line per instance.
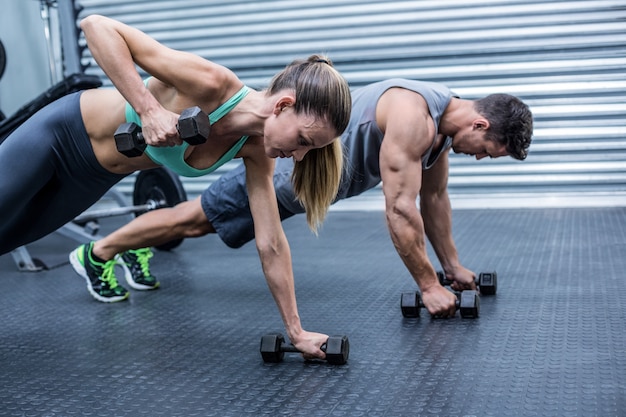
(142, 140)
(193, 127)
(445, 281)
(411, 303)
(486, 281)
(288, 347)
(457, 303)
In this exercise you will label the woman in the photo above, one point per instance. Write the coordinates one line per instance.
(64, 158)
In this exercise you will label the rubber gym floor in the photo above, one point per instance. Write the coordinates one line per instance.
(551, 342)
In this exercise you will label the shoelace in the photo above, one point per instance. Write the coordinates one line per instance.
(108, 274)
(143, 256)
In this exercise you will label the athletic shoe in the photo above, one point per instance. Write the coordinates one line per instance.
(100, 277)
(137, 269)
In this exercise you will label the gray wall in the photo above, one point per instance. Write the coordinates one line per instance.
(565, 58)
(28, 72)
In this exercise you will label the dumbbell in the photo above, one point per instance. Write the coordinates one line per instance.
(273, 348)
(193, 127)
(467, 302)
(487, 282)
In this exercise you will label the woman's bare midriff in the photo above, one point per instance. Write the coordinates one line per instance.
(103, 111)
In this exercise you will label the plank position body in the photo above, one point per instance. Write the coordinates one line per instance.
(64, 158)
(400, 132)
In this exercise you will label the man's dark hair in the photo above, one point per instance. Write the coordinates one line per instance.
(510, 122)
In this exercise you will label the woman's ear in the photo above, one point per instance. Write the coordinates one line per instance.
(283, 103)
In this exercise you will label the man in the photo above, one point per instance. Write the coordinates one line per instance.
(400, 132)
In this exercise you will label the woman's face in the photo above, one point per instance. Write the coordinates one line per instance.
(288, 134)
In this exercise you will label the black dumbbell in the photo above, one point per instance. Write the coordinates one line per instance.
(487, 282)
(273, 348)
(467, 302)
(193, 127)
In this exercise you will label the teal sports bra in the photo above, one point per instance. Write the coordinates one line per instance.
(174, 157)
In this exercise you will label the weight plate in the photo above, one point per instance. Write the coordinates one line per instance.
(3, 59)
(3, 62)
(159, 184)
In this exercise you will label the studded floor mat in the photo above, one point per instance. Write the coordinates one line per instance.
(551, 342)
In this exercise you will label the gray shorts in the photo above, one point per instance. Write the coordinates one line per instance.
(226, 205)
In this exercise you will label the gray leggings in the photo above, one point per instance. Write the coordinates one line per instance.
(48, 174)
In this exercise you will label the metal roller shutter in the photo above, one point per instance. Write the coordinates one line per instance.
(566, 59)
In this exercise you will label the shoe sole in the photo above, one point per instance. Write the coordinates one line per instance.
(80, 270)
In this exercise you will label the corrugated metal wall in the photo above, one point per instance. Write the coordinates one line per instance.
(566, 59)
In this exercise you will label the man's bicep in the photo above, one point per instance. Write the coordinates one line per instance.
(401, 175)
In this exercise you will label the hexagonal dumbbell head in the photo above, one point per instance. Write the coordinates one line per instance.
(194, 126)
(488, 283)
(469, 305)
(410, 304)
(129, 140)
(271, 348)
(337, 349)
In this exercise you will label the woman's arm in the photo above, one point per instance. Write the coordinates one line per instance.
(117, 48)
(110, 44)
(275, 254)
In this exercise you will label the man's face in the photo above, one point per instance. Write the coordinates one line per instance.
(491, 149)
(474, 143)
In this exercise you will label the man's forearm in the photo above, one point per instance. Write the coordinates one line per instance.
(407, 235)
(437, 215)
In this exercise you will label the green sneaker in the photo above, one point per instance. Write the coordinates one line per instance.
(100, 277)
(137, 269)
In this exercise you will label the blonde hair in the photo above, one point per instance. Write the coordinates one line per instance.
(320, 91)
(316, 180)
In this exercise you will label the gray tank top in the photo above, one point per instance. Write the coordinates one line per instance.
(363, 137)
